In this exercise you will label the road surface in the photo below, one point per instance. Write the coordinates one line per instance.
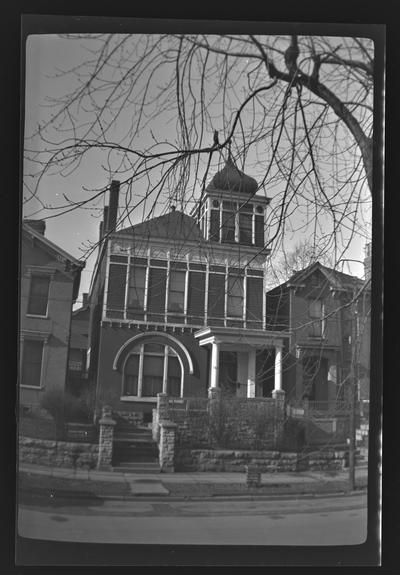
(312, 521)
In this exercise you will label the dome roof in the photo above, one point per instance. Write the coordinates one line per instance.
(230, 178)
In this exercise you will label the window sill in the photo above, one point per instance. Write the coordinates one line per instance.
(38, 387)
(37, 316)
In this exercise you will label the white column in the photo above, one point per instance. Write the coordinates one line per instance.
(251, 374)
(214, 365)
(278, 368)
(165, 373)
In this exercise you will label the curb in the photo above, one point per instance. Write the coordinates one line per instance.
(76, 495)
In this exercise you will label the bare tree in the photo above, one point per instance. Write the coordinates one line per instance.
(163, 112)
(302, 255)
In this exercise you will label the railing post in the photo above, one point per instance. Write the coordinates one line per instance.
(167, 446)
(106, 437)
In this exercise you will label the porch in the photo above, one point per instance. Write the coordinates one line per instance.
(237, 376)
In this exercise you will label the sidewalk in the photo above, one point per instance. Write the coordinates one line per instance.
(193, 484)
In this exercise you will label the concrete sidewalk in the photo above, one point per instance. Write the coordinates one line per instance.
(157, 483)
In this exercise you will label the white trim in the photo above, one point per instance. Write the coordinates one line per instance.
(140, 370)
(138, 337)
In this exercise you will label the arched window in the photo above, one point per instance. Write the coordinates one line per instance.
(152, 368)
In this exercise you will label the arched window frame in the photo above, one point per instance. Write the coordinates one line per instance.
(139, 349)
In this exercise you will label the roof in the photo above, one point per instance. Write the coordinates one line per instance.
(231, 179)
(174, 226)
(337, 280)
(72, 265)
(51, 245)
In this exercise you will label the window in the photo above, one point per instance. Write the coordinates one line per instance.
(245, 228)
(176, 292)
(232, 222)
(315, 310)
(235, 296)
(137, 279)
(228, 222)
(150, 369)
(39, 295)
(32, 363)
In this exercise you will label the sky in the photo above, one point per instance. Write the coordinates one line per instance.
(46, 55)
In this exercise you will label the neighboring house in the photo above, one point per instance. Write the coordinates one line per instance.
(329, 333)
(177, 302)
(77, 377)
(49, 280)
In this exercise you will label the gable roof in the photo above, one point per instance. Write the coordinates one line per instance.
(72, 265)
(337, 280)
(175, 226)
(51, 246)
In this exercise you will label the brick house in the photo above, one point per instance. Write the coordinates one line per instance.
(328, 333)
(49, 280)
(177, 302)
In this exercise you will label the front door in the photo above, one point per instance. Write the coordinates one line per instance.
(228, 372)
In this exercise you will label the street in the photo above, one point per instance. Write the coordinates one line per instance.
(306, 521)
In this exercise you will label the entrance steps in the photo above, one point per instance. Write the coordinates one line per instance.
(134, 450)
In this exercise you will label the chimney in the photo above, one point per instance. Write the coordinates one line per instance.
(367, 261)
(38, 225)
(84, 299)
(105, 220)
(113, 207)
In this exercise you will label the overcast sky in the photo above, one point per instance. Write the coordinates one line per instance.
(45, 56)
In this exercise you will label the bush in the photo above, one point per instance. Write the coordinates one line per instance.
(64, 407)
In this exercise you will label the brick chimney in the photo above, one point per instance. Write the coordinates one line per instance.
(113, 206)
(38, 225)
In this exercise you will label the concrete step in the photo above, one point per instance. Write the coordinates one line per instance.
(126, 437)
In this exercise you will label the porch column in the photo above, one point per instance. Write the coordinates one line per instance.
(251, 374)
(214, 365)
(278, 391)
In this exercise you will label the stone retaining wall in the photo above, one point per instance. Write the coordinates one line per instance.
(58, 453)
(265, 461)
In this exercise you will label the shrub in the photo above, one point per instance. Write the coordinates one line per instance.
(64, 407)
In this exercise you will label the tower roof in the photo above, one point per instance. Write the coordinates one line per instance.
(231, 179)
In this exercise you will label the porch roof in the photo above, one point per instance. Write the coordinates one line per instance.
(240, 339)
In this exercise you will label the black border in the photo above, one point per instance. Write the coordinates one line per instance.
(304, 17)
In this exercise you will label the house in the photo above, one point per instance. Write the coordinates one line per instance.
(178, 304)
(327, 315)
(49, 281)
(77, 375)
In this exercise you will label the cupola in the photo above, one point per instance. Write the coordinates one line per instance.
(231, 211)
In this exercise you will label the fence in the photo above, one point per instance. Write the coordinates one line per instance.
(227, 423)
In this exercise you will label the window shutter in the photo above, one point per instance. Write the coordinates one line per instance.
(254, 300)
(196, 296)
(157, 288)
(216, 295)
(116, 287)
